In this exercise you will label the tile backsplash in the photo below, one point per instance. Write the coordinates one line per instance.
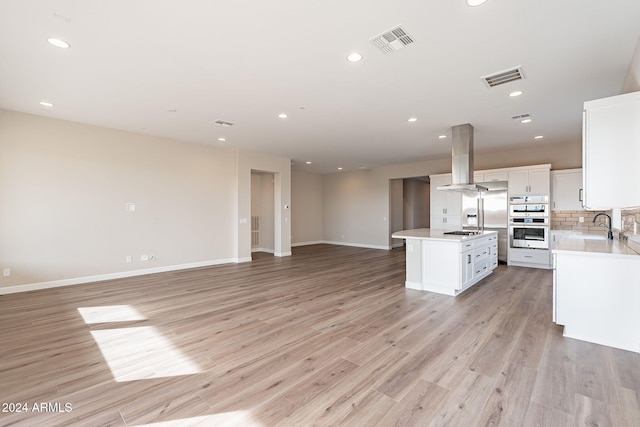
(570, 220)
(627, 220)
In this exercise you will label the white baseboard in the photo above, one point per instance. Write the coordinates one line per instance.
(111, 276)
(329, 242)
(281, 254)
(269, 251)
(358, 245)
(317, 242)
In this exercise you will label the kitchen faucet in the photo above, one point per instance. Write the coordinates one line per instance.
(610, 233)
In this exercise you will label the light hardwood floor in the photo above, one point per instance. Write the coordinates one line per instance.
(329, 336)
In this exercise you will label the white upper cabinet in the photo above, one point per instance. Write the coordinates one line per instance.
(446, 206)
(610, 152)
(529, 181)
(496, 176)
(566, 190)
(488, 176)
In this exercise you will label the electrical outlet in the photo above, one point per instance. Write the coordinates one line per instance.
(581, 219)
(6, 272)
(144, 257)
(128, 259)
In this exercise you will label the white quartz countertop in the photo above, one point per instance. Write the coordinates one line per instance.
(591, 244)
(429, 234)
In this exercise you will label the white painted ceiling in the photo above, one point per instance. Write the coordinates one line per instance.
(246, 61)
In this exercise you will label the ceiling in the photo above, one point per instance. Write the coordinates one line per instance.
(173, 68)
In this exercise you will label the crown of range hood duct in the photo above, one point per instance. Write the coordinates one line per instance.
(462, 160)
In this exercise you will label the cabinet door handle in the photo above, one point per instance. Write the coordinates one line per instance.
(468, 259)
(580, 195)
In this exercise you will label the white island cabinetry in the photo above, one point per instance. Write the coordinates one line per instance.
(448, 264)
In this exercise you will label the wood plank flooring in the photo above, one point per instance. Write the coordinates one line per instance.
(327, 337)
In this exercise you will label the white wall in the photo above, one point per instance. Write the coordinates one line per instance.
(397, 210)
(632, 80)
(306, 208)
(64, 187)
(281, 168)
(356, 209)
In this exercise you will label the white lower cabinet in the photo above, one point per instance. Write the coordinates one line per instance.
(529, 257)
(596, 298)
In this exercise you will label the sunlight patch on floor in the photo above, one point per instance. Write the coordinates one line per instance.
(142, 353)
(135, 353)
(109, 314)
(227, 419)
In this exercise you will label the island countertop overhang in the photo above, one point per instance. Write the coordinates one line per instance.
(432, 234)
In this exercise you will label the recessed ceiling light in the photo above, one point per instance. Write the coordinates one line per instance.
(58, 43)
(282, 115)
(442, 136)
(538, 137)
(222, 139)
(46, 104)
(516, 93)
(308, 163)
(476, 2)
(339, 169)
(354, 57)
(528, 120)
(412, 119)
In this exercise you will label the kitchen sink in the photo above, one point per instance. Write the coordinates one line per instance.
(587, 237)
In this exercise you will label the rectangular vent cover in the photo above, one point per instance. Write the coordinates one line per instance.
(392, 40)
(503, 77)
(222, 123)
(521, 117)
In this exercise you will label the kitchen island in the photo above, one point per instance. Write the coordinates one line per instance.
(445, 263)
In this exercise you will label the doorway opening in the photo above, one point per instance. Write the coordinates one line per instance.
(262, 212)
(409, 205)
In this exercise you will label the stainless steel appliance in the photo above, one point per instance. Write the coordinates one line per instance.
(488, 210)
(529, 222)
(529, 210)
(529, 206)
(530, 236)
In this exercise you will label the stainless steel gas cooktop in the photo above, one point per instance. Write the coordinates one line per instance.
(462, 233)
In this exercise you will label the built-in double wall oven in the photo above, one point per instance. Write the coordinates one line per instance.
(529, 222)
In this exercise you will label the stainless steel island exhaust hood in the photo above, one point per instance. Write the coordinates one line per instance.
(462, 161)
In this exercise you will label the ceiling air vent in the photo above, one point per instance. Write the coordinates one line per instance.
(503, 77)
(222, 123)
(521, 117)
(392, 40)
